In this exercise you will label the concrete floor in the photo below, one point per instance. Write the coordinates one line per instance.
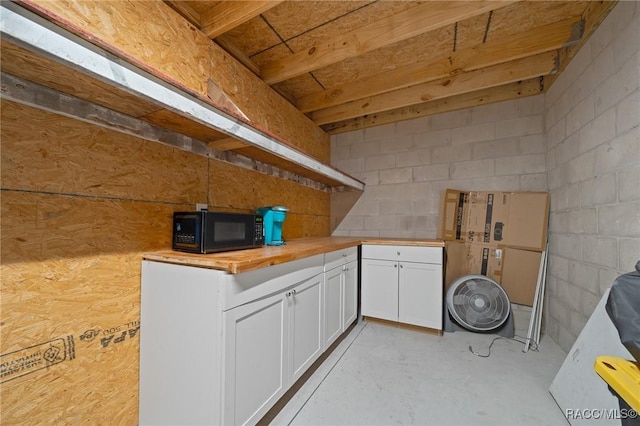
(382, 375)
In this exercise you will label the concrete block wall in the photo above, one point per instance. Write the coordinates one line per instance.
(592, 123)
(580, 141)
(407, 165)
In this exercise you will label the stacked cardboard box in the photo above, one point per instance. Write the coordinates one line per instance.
(497, 234)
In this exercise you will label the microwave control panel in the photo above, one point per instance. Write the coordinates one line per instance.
(259, 229)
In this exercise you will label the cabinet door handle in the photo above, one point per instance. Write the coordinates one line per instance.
(395, 266)
(293, 291)
(398, 253)
(401, 266)
(289, 294)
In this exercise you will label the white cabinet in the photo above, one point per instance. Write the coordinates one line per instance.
(305, 326)
(219, 348)
(380, 289)
(268, 345)
(332, 305)
(340, 292)
(350, 304)
(403, 283)
(420, 294)
(256, 362)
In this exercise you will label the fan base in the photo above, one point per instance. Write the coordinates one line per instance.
(505, 330)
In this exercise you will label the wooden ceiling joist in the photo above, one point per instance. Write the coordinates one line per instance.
(230, 47)
(187, 12)
(353, 61)
(521, 69)
(519, 45)
(412, 22)
(226, 15)
(244, 12)
(520, 89)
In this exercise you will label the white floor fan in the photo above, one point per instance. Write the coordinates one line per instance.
(479, 304)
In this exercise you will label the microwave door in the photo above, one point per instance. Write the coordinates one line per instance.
(230, 231)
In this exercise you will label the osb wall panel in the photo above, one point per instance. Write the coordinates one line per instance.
(39, 226)
(62, 155)
(266, 108)
(231, 188)
(155, 35)
(70, 306)
(148, 31)
(79, 207)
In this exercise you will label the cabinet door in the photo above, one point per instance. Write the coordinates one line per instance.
(350, 295)
(380, 289)
(332, 305)
(305, 325)
(255, 376)
(420, 294)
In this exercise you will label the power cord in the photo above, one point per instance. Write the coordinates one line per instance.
(534, 346)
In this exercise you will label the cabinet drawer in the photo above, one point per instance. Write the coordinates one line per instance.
(403, 253)
(337, 258)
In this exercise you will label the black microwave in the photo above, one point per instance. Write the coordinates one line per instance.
(211, 232)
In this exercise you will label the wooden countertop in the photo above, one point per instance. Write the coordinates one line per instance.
(238, 261)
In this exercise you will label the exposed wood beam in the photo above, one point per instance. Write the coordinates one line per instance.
(187, 12)
(226, 15)
(519, 45)
(496, 75)
(230, 47)
(491, 95)
(412, 22)
(191, 15)
(593, 15)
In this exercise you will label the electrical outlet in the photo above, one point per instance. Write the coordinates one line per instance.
(200, 207)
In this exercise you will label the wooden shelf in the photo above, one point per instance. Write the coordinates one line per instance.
(112, 92)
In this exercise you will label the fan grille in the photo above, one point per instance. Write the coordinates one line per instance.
(478, 303)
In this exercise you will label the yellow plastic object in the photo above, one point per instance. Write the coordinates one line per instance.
(623, 376)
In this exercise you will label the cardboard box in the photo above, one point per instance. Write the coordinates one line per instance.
(520, 275)
(528, 221)
(515, 219)
(455, 262)
(465, 258)
(488, 212)
(516, 270)
(497, 234)
(486, 260)
(452, 223)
